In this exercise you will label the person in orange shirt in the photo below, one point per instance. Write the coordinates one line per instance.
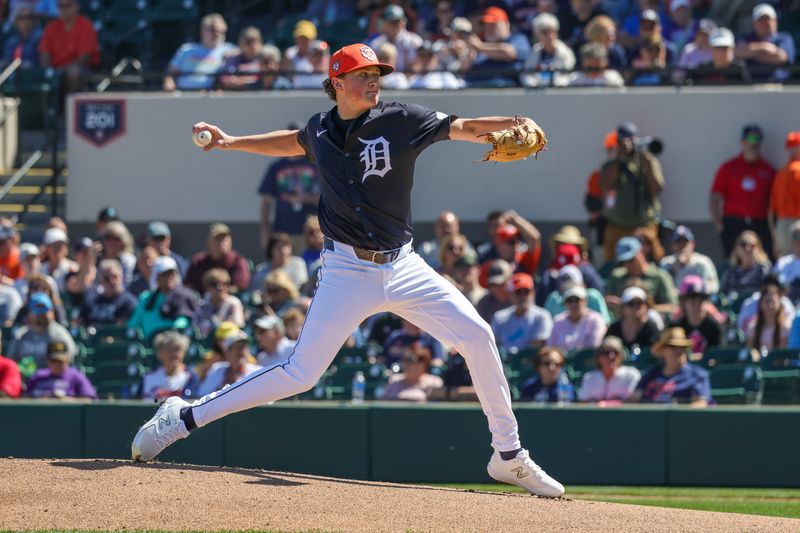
(593, 201)
(10, 269)
(785, 200)
(70, 43)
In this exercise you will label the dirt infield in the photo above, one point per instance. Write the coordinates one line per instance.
(106, 494)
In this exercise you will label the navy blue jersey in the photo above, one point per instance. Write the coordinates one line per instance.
(689, 383)
(367, 171)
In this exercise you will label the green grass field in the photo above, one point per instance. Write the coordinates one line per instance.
(783, 503)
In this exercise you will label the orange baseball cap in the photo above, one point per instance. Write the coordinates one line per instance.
(354, 56)
(793, 139)
(611, 140)
(494, 14)
(521, 280)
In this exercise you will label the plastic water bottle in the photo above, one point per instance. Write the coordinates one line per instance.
(359, 387)
(564, 389)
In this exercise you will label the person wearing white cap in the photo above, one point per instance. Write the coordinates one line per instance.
(548, 54)
(766, 47)
(167, 304)
(31, 264)
(578, 327)
(393, 30)
(55, 252)
(274, 347)
(569, 276)
(233, 368)
(635, 328)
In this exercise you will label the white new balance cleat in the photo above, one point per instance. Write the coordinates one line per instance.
(523, 472)
(160, 431)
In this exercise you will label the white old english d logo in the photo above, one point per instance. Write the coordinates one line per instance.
(375, 157)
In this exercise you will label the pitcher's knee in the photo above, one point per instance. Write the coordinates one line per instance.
(303, 379)
(477, 333)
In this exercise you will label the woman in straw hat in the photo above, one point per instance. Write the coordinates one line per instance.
(675, 380)
(568, 247)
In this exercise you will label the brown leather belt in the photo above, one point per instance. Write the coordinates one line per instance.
(376, 256)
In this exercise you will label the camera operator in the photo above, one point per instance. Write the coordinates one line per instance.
(631, 182)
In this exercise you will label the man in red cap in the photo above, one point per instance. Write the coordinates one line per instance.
(366, 151)
(524, 324)
(507, 245)
(785, 199)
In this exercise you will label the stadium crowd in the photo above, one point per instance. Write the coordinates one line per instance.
(624, 320)
(446, 44)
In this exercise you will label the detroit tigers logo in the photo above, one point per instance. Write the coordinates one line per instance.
(375, 157)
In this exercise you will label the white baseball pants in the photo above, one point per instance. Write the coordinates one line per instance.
(350, 290)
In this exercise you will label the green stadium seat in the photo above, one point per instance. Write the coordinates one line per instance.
(119, 352)
(736, 384)
(580, 362)
(727, 355)
(642, 360)
(349, 356)
(118, 379)
(338, 384)
(114, 334)
(175, 10)
(781, 371)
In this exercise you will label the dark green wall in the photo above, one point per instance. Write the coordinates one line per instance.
(440, 443)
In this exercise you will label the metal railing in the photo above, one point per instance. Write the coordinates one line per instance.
(116, 74)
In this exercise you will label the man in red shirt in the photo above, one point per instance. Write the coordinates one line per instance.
(70, 43)
(220, 254)
(741, 192)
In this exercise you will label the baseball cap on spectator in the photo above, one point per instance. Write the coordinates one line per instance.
(107, 213)
(627, 248)
(706, 26)
(498, 273)
(267, 322)
(218, 229)
(692, 285)
(520, 280)
(611, 140)
(163, 264)
(493, 14)
(722, 38)
(355, 56)
(570, 275)
(682, 232)
(40, 303)
(675, 4)
(612, 344)
(507, 232)
(466, 261)
(567, 254)
(7, 232)
(225, 329)
(576, 291)
(545, 21)
(633, 293)
(59, 351)
(157, 229)
(305, 28)
(54, 235)
(764, 10)
(233, 338)
(649, 14)
(752, 133)
(82, 244)
(793, 139)
(627, 130)
(461, 25)
(27, 249)
(393, 12)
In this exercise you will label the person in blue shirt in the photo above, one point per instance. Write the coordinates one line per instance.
(195, 65)
(24, 42)
(499, 54)
(551, 383)
(676, 380)
(766, 47)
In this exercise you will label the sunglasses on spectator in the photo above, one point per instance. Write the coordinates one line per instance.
(112, 237)
(747, 244)
(455, 248)
(550, 363)
(412, 359)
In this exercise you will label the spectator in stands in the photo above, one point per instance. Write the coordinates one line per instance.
(240, 71)
(682, 27)
(675, 380)
(23, 44)
(498, 274)
(428, 71)
(118, 244)
(785, 197)
(631, 183)
(787, 268)
(699, 51)
(314, 241)
(551, 383)
(723, 68)
(319, 58)
(293, 321)
(685, 261)
(10, 379)
(10, 305)
(735, 15)
(486, 250)
(650, 28)
(110, 304)
(173, 377)
(436, 27)
(270, 66)
(611, 382)
(330, 12)
(408, 334)
(602, 30)
(387, 54)
(740, 193)
(466, 273)
(508, 244)
(216, 353)
(698, 324)
(159, 237)
(453, 247)
(771, 327)
(297, 58)
(569, 276)
(59, 380)
(281, 294)
(233, 368)
(144, 269)
(766, 48)
(578, 327)
(648, 66)
(104, 216)
(635, 327)
(280, 257)
(569, 248)
(85, 253)
(749, 267)
(636, 268)
(289, 195)
(524, 324)
(415, 383)
(31, 266)
(447, 223)
(498, 54)
(274, 347)
(218, 304)
(10, 269)
(455, 54)
(69, 44)
(33, 339)
(394, 31)
(651, 244)
(56, 262)
(44, 285)
(167, 304)
(219, 254)
(548, 54)
(748, 310)
(594, 69)
(574, 21)
(195, 65)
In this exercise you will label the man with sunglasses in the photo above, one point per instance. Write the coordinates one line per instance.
(611, 381)
(111, 304)
(524, 324)
(70, 44)
(634, 267)
(159, 237)
(195, 65)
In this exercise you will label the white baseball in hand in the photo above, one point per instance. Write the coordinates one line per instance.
(201, 138)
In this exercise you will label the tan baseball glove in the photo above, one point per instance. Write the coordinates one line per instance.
(517, 142)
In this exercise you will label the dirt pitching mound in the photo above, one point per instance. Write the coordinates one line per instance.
(106, 494)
